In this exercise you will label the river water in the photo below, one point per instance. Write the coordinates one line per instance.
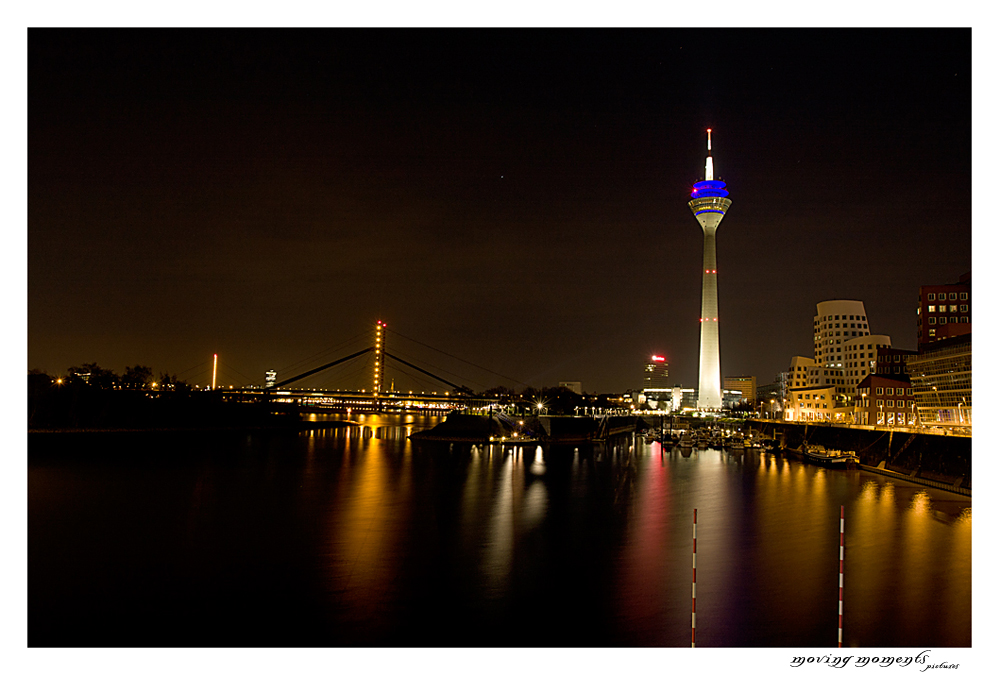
(358, 537)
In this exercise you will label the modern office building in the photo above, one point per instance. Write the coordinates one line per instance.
(656, 390)
(684, 399)
(747, 385)
(709, 203)
(731, 398)
(944, 310)
(941, 375)
(656, 373)
(772, 396)
(890, 361)
(574, 386)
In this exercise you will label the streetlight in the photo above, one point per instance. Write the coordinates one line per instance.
(938, 397)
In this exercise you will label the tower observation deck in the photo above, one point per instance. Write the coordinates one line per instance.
(709, 203)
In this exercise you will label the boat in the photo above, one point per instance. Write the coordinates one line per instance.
(828, 457)
(686, 446)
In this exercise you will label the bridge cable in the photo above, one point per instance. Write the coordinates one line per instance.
(325, 351)
(459, 358)
(453, 385)
(450, 373)
(321, 368)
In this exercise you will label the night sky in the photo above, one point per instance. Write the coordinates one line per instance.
(515, 199)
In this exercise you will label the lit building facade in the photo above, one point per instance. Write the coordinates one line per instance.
(656, 390)
(885, 400)
(656, 374)
(709, 203)
(844, 348)
(684, 399)
(836, 322)
(861, 357)
(772, 397)
(732, 398)
(812, 404)
(746, 385)
(890, 361)
(944, 310)
(941, 375)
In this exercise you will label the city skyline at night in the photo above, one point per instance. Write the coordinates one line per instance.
(423, 339)
(203, 193)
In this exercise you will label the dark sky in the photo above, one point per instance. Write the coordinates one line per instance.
(516, 199)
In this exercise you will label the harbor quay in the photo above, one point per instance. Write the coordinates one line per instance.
(942, 461)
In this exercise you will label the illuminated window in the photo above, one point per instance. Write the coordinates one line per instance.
(932, 308)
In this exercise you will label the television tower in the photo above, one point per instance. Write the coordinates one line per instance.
(709, 203)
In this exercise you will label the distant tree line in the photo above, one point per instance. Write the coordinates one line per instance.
(91, 396)
(136, 377)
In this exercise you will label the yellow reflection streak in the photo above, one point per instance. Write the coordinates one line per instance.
(360, 533)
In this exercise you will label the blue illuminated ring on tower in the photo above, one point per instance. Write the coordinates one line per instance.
(709, 189)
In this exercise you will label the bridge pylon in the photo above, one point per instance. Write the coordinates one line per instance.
(379, 350)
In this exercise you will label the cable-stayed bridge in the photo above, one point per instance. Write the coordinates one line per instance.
(369, 365)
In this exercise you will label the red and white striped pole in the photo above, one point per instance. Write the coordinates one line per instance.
(840, 621)
(694, 571)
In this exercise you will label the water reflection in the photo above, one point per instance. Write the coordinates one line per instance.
(354, 536)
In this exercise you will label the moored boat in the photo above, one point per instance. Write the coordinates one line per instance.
(828, 457)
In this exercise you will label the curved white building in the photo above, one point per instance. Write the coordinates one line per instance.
(844, 353)
(836, 322)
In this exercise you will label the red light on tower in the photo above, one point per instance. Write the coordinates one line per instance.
(658, 358)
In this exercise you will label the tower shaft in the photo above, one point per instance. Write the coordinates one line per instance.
(709, 370)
